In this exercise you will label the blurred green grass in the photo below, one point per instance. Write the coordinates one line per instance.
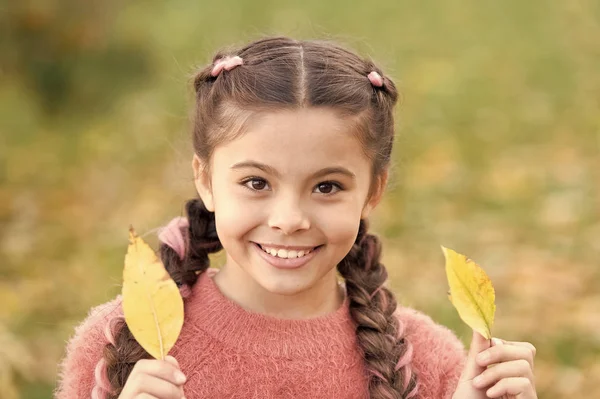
(497, 156)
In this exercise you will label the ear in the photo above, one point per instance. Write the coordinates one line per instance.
(202, 183)
(376, 195)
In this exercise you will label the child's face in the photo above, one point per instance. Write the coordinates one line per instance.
(289, 205)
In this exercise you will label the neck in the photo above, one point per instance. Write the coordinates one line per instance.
(325, 297)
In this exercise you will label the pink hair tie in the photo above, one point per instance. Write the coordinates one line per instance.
(185, 290)
(406, 358)
(172, 235)
(97, 393)
(109, 328)
(376, 79)
(102, 385)
(227, 63)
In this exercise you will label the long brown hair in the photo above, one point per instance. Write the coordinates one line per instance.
(282, 73)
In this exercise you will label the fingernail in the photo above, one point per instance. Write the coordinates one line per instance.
(497, 341)
(179, 377)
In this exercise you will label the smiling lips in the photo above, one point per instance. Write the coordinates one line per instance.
(287, 258)
(288, 252)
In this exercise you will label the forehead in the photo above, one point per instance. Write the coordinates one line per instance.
(293, 140)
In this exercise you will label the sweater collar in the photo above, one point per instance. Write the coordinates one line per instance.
(208, 310)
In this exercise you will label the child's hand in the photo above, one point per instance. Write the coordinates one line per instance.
(160, 379)
(510, 377)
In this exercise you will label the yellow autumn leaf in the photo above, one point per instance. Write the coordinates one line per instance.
(152, 304)
(471, 292)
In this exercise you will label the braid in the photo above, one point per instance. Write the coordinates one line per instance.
(380, 334)
(123, 351)
(201, 238)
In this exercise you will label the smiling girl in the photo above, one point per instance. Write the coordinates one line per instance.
(292, 143)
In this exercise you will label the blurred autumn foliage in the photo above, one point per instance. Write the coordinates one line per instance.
(497, 156)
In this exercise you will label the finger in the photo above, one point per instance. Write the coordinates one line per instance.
(504, 353)
(148, 384)
(471, 369)
(513, 386)
(160, 369)
(517, 343)
(515, 368)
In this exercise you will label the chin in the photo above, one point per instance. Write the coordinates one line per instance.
(284, 285)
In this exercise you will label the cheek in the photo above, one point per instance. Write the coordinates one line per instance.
(235, 215)
(340, 225)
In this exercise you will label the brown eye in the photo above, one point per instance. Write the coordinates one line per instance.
(325, 188)
(258, 184)
(328, 187)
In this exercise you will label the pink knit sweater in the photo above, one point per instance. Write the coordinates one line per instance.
(228, 352)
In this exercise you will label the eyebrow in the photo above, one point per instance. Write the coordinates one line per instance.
(272, 171)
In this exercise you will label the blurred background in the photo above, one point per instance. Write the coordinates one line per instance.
(497, 157)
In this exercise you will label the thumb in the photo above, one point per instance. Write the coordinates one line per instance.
(472, 369)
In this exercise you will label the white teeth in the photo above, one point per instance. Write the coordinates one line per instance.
(282, 253)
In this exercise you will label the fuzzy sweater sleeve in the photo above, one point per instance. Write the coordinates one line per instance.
(83, 351)
(438, 354)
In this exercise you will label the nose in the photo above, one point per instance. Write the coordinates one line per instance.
(288, 217)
